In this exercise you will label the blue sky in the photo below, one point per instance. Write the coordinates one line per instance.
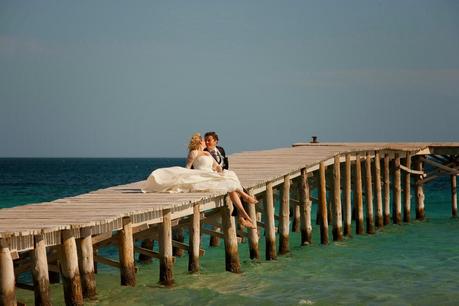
(137, 78)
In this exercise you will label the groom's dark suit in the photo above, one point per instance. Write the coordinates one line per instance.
(220, 157)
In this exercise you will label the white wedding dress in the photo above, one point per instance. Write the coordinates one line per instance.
(200, 179)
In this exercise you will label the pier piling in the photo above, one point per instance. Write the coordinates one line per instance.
(420, 214)
(347, 198)
(7, 279)
(323, 205)
(253, 232)
(40, 274)
(386, 189)
(126, 254)
(337, 218)
(232, 263)
(68, 262)
(358, 197)
(379, 202)
(86, 264)
(270, 231)
(195, 240)
(305, 208)
(369, 195)
(397, 207)
(166, 260)
(284, 218)
(407, 206)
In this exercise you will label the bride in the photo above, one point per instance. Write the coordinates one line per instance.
(202, 174)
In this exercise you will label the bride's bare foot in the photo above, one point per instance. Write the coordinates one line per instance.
(251, 200)
(246, 222)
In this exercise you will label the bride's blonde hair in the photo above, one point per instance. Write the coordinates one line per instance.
(195, 142)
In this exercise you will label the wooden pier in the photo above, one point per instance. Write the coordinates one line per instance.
(64, 236)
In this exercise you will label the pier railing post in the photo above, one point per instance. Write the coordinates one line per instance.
(305, 208)
(253, 232)
(270, 231)
(232, 263)
(166, 261)
(323, 204)
(195, 240)
(386, 189)
(86, 264)
(379, 203)
(369, 195)
(337, 218)
(126, 253)
(40, 272)
(358, 199)
(453, 196)
(68, 262)
(347, 198)
(407, 206)
(284, 218)
(7, 279)
(397, 209)
(420, 214)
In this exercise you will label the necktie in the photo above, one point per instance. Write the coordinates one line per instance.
(216, 156)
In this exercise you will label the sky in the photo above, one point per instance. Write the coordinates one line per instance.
(138, 78)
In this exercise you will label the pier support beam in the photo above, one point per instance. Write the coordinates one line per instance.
(284, 218)
(337, 213)
(126, 251)
(397, 209)
(7, 279)
(166, 260)
(253, 232)
(195, 240)
(347, 198)
(323, 204)
(232, 263)
(214, 240)
(68, 262)
(296, 216)
(379, 203)
(369, 195)
(305, 208)
(420, 214)
(177, 235)
(386, 189)
(146, 244)
(453, 196)
(407, 206)
(86, 264)
(40, 272)
(270, 231)
(358, 199)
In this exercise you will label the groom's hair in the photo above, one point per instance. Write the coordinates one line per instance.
(213, 134)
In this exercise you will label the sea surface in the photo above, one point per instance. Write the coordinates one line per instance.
(412, 264)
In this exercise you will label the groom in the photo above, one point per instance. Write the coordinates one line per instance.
(217, 152)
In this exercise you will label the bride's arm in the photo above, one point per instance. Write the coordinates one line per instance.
(191, 157)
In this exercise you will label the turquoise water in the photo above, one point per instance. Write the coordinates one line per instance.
(412, 264)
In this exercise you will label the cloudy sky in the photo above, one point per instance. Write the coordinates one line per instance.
(137, 78)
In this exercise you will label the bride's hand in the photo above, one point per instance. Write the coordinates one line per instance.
(219, 169)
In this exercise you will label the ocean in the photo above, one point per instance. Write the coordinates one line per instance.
(411, 264)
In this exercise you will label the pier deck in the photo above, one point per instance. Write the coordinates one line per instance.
(104, 212)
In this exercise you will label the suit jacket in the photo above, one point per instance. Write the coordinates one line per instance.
(224, 163)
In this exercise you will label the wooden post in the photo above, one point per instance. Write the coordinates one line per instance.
(284, 217)
(407, 206)
(149, 245)
(177, 235)
(296, 218)
(270, 231)
(166, 261)
(68, 262)
(40, 272)
(386, 189)
(214, 240)
(86, 264)
(305, 208)
(253, 232)
(369, 196)
(195, 240)
(453, 197)
(379, 202)
(397, 209)
(232, 263)
(347, 198)
(323, 205)
(126, 253)
(420, 214)
(7, 279)
(358, 200)
(337, 218)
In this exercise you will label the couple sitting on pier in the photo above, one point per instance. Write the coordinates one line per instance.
(205, 171)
